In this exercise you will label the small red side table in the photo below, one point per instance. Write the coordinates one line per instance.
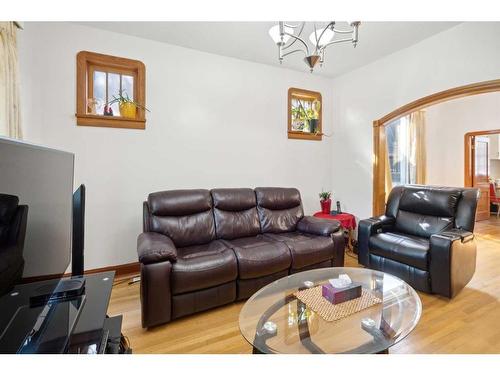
(348, 222)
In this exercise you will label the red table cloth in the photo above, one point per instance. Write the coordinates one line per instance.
(348, 221)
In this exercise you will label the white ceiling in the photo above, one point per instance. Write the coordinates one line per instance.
(250, 40)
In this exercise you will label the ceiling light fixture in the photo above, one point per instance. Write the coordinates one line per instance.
(283, 35)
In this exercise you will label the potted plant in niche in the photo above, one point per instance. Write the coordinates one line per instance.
(128, 108)
(314, 115)
(325, 201)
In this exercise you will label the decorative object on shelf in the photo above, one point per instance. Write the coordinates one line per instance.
(128, 107)
(286, 35)
(304, 114)
(339, 210)
(108, 111)
(91, 106)
(325, 201)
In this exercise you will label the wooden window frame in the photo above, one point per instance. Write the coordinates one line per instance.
(294, 92)
(87, 63)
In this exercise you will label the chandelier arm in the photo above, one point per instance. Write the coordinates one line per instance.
(300, 40)
(295, 50)
(343, 31)
(337, 41)
(327, 26)
(300, 32)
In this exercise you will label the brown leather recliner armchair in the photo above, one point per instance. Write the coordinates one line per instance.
(201, 249)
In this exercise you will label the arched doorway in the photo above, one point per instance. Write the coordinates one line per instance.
(379, 141)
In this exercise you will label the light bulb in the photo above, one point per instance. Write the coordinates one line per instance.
(327, 37)
(274, 33)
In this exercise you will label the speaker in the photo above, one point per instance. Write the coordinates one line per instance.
(77, 260)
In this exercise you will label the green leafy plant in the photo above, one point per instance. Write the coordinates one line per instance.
(325, 195)
(123, 98)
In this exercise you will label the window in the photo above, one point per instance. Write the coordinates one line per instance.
(304, 114)
(101, 79)
(398, 149)
(406, 150)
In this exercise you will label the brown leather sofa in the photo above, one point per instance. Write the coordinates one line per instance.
(201, 249)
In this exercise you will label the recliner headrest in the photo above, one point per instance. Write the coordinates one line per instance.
(430, 200)
(179, 202)
(233, 199)
(274, 198)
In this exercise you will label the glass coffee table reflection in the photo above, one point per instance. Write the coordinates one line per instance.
(274, 321)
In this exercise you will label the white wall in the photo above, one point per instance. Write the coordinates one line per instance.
(214, 122)
(447, 124)
(467, 53)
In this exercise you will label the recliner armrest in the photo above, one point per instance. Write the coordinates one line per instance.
(320, 227)
(452, 261)
(376, 223)
(155, 247)
(368, 228)
(456, 234)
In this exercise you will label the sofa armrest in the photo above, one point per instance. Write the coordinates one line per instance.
(368, 228)
(320, 227)
(452, 261)
(155, 247)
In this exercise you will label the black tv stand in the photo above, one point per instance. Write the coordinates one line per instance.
(58, 290)
(77, 325)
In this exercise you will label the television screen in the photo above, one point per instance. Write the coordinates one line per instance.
(36, 191)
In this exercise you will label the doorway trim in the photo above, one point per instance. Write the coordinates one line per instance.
(379, 193)
(468, 163)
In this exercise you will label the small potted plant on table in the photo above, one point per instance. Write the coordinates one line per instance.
(325, 201)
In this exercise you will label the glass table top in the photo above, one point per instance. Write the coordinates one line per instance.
(274, 321)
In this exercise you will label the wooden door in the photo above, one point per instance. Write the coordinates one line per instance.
(480, 175)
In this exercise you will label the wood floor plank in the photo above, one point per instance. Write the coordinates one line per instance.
(470, 323)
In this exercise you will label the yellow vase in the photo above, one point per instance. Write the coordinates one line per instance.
(128, 110)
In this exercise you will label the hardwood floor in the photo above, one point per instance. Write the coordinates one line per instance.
(470, 323)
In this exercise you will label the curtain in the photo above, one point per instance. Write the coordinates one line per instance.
(417, 146)
(10, 118)
(387, 165)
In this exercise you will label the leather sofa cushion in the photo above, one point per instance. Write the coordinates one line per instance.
(306, 249)
(260, 256)
(183, 215)
(434, 201)
(203, 266)
(407, 249)
(280, 209)
(422, 225)
(235, 212)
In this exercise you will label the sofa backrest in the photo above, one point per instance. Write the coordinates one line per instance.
(279, 209)
(8, 208)
(235, 213)
(183, 215)
(426, 210)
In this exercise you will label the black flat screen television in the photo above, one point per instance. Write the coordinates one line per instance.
(36, 198)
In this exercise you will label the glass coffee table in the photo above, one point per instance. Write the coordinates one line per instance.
(274, 321)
